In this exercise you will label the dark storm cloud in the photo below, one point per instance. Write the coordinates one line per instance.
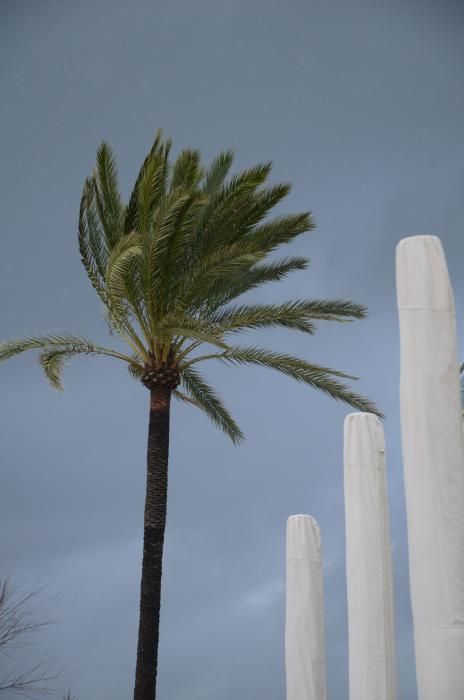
(360, 105)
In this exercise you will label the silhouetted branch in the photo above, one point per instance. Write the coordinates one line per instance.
(68, 695)
(18, 620)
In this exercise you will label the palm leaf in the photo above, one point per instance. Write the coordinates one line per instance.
(217, 172)
(11, 348)
(224, 290)
(321, 378)
(157, 151)
(227, 263)
(280, 230)
(334, 310)
(69, 343)
(136, 370)
(52, 363)
(206, 399)
(107, 194)
(294, 315)
(157, 248)
(225, 207)
(185, 398)
(194, 331)
(150, 191)
(173, 260)
(257, 205)
(53, 360)
(186, 172)
(92, 247)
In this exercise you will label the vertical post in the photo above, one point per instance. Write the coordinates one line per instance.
(372, 663)
(433, 455)
(304, 624)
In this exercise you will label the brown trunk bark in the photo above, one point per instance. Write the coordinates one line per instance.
(153, 542)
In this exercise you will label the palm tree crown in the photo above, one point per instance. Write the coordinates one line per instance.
(170, 265)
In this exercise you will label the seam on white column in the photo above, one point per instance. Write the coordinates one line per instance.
(316, 561)
(426, 308)
(388, 590)
(377, 465)
(456, 628)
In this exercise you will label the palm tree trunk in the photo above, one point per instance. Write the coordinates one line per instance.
(153, 542)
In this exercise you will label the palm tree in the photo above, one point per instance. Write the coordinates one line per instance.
(169, 267)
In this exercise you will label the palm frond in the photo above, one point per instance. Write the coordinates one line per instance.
(322, 378)
(185, 398)
(53, 360)
(107, 194)
(290, 314)
(261, 241)
(220, 266)
(227, 205)
(258, 206)
(56, 350)
(187, 171)
(158, 151)
(206, 399)
(11, 348)
(295, 315)
(136, 368)
(225, 290)
(71, 344)
(193, 331)
(123, 304)
(118, 265)
(334, 310)
(179, 235)
(280, 230)
(52, 363)
(131, 284)
(217, 172)
(156, 250)
(125, 248)
(151, 190)
(92, 244)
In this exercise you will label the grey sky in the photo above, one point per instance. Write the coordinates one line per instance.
(360, 105)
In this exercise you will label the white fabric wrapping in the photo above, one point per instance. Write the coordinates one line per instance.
(433, 456)
(372, 664)
(304, 623)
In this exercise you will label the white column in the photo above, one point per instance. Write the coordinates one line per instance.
(304, 623)
(372, 665)
(433, 456)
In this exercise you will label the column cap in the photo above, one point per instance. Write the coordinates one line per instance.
(422, 278)
(303, 538)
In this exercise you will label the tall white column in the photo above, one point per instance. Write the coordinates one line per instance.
(433, 456)
(372, 664)
(304, 623)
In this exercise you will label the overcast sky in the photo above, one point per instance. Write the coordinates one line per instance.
(360, 105)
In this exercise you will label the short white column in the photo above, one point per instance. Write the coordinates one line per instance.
(372, 664)
(304, 624)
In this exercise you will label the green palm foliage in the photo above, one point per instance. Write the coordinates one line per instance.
(170, 265)
(170, 268)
